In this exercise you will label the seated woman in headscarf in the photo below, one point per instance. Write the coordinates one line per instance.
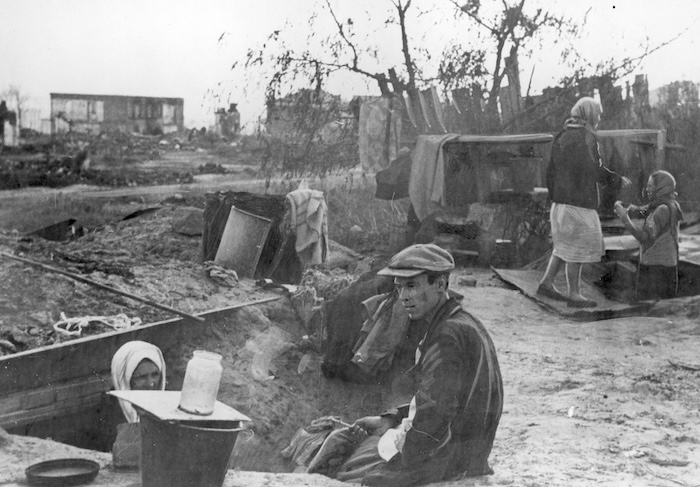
(137, 366)
(657, 277)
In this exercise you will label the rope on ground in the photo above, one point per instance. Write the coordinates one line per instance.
(73, 327)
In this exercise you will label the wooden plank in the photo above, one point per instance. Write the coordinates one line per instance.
(63, 408)
(52, 394)
(90, 355)
(505, 139)
(10, 404)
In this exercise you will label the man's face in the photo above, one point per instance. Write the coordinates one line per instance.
(418, 296)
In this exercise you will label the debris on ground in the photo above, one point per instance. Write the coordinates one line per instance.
(607, 402)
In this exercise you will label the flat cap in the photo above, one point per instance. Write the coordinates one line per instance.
(417, 259)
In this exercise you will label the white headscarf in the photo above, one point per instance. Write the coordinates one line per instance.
(124, 363)
(585, 113)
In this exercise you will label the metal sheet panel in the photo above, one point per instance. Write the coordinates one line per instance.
(242, 242)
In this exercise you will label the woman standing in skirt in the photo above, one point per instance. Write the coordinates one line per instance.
(573, 175)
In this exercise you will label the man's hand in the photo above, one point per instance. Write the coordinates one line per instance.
(626, 183)
(374, 425)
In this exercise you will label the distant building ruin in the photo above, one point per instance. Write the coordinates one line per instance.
(8, 125)
(228, 123)
(108, 113)
(299, 111)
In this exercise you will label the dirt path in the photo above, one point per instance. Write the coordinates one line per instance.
(592, 403)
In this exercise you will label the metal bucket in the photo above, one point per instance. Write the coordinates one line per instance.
(177, 454)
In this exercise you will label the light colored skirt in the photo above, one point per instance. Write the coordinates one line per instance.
(576, 234)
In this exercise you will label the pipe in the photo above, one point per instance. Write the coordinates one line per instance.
(103, 286)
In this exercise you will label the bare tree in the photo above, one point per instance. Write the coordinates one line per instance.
(512, 29)
(295, 78)
(343, 51)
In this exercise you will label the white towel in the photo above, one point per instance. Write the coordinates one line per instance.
(309, 219)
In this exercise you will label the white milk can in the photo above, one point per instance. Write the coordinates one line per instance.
(201, 385)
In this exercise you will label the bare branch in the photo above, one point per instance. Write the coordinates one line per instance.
(336, 66)
(493, 29)
(404, 44)
(342, 34)
(628, 63)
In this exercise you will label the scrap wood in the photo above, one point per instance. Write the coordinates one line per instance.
(652, 458)
(686, 366)
(102, 286)
(668, 463)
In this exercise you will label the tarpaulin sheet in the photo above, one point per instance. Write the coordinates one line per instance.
(379, 132)
(527, 282)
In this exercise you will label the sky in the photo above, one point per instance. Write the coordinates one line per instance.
(185, 48)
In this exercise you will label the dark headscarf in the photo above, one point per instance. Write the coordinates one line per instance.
(664, 186)
(665, 194)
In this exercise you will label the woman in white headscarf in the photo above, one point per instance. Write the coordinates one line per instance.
(574, 173)
(137, 365)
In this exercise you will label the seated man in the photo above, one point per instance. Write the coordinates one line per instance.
(449, 427)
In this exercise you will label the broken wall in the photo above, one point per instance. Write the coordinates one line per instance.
(102, 113)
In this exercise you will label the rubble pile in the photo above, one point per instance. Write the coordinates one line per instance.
(101, 160)
(143, 255)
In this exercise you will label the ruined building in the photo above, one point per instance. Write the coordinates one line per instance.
(107, 113)
(228, 123)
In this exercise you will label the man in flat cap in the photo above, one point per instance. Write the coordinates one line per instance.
(449, 426)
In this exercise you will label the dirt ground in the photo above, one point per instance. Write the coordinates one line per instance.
(610, 402)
